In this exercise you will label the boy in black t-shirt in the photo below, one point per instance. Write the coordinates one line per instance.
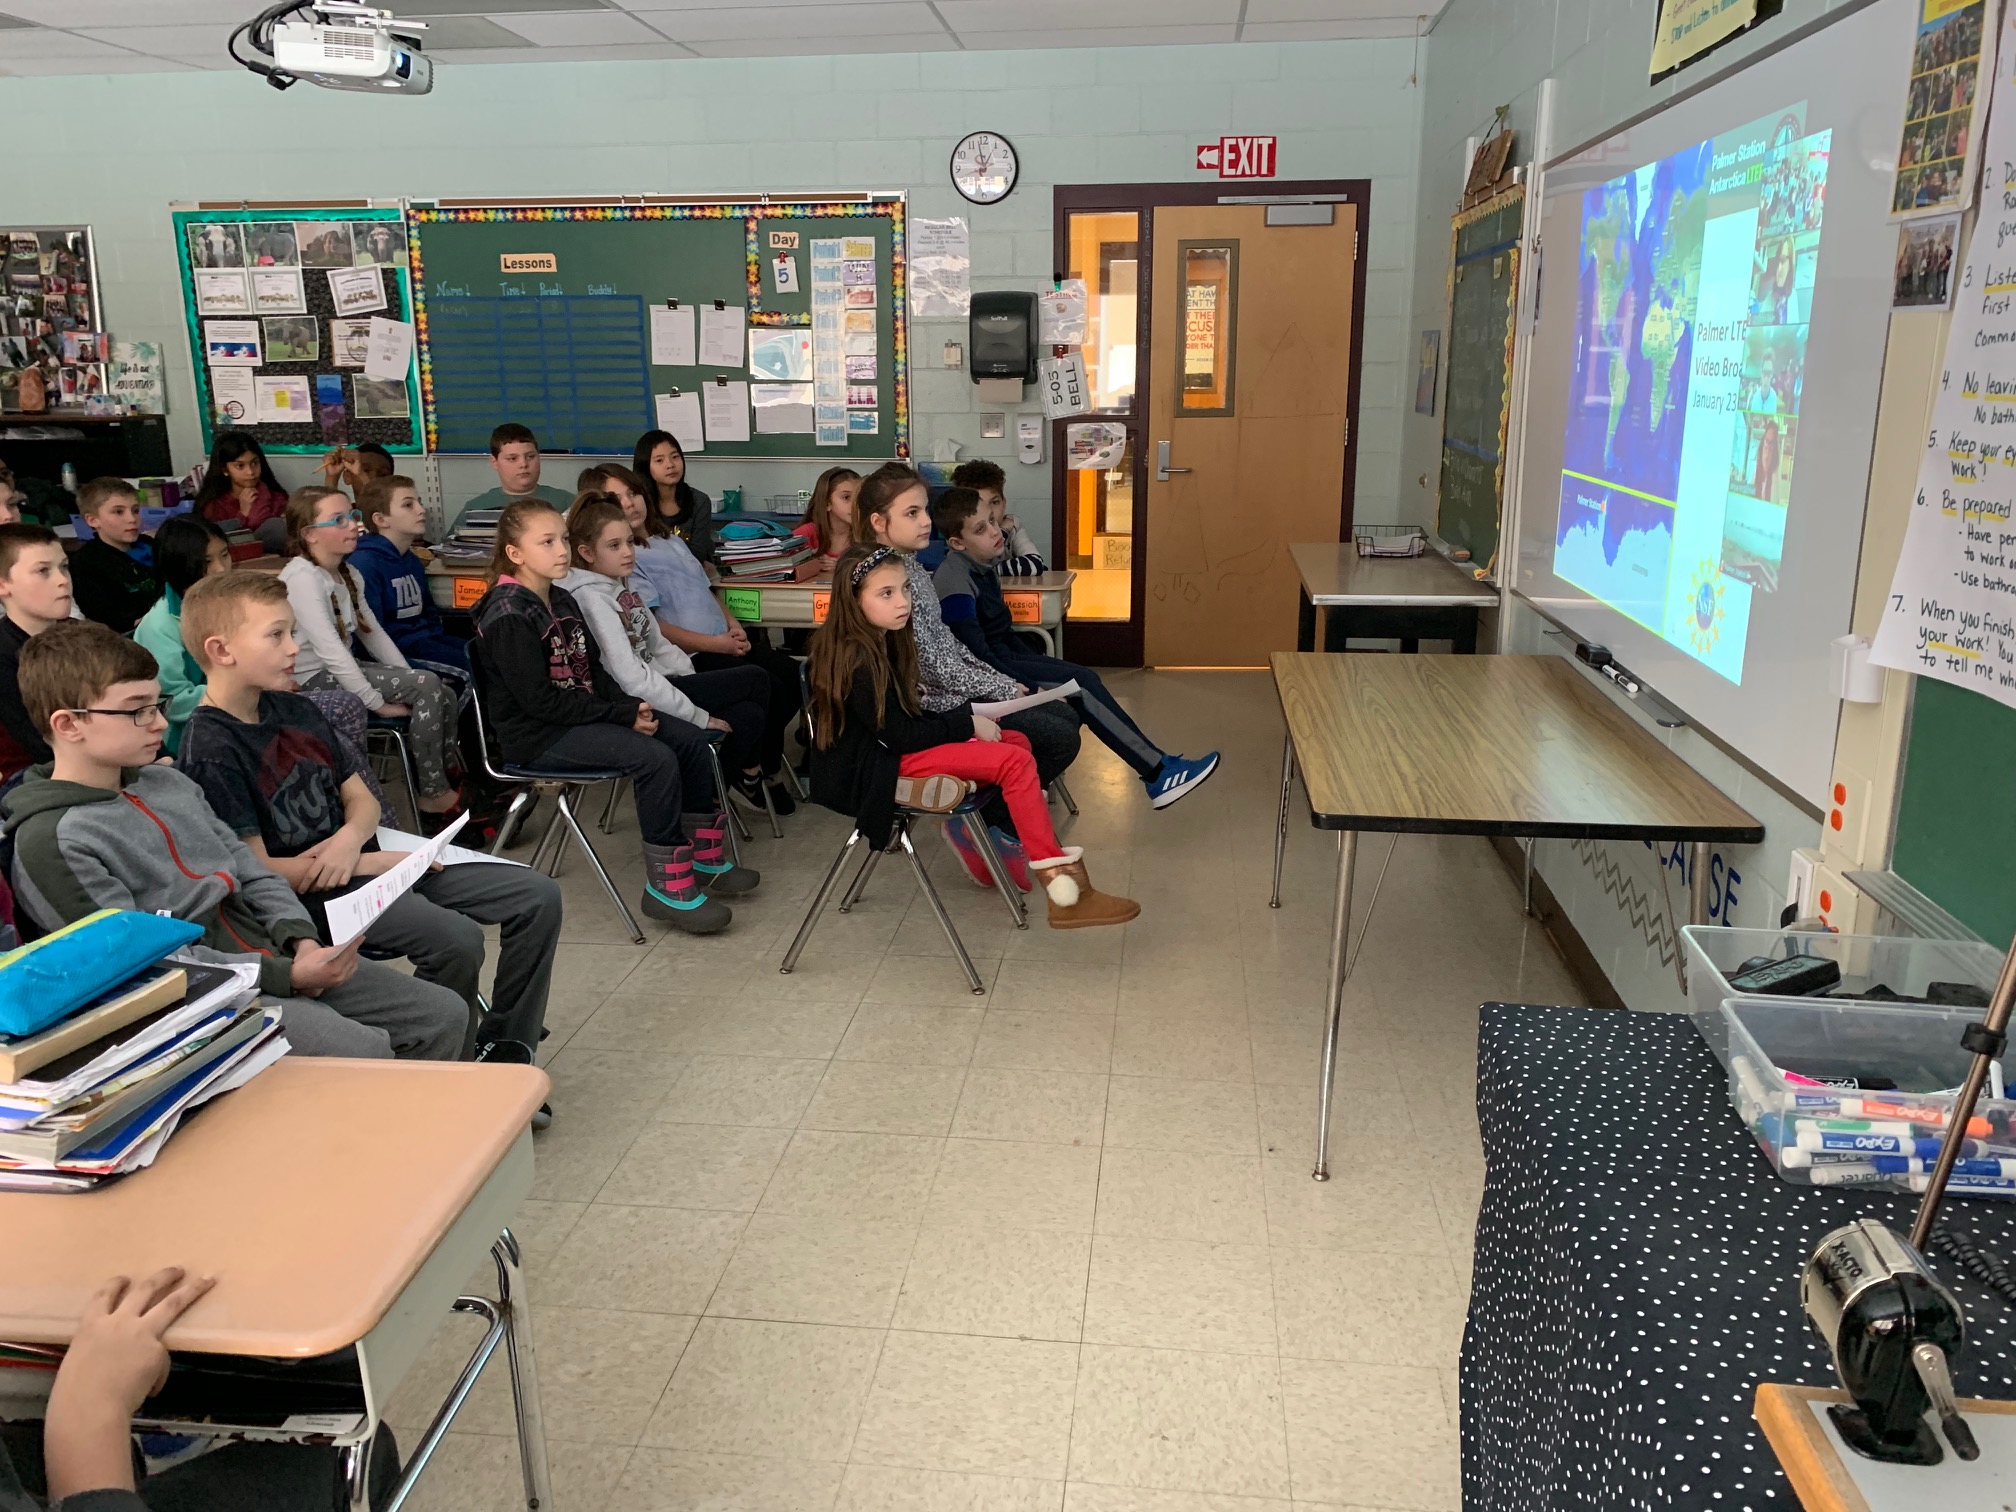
(114, 573)
(279, 777)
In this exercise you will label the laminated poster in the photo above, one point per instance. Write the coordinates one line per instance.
(231, 394)
(1060, 314)
(280, 401)
(222, 293)
(941, 264)
(356, 291)
(1952, 54)
(278, 291)
(231, 343)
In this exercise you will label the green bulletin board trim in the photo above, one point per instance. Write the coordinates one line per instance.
(249, 212)
(756, 216)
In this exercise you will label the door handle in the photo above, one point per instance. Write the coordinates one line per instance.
(1162, 467)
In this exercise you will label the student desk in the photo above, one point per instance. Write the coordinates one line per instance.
(1037, 603)
(1475, 745)
(1408, 599)
(342, 1205)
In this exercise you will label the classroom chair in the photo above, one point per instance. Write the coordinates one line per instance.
(967, 812)
(737, 830)
(382, 730)
(567, 788)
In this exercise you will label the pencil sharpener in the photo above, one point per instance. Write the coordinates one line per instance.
(1892, 1329)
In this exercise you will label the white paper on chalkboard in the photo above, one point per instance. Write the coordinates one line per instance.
(721, 336)
(672, 337)
(680, 414)
(727, 408)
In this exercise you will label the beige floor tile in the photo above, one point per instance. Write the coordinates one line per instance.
(1015, 1283)
(601, 1373)
(605, 1087)
(575, 1156)
(980, 1405)
(1177, 1294)
(1345, 1311)
(928, 980)
(885, 1488)
(1186, 1047)
(1371, 1435)
(671, 1480)
(1180, 1420)
(1160, 1194)
(815, 1270)
(824, 974)
(1038, 1186)
(696, 1166)
(1368, 1204)
(1289, 1052)
(871, 1097)
(1289, 1114)
(857, 1177)
(1164, 1113)
(985, 935)
(1068, 947)
(742, 1089)
(916, 1036)
(790, 1029)
(1081, 1496)
(469, 1473)
(1091, 987)
(780, 1390)
(1036, 1041)
(648, 1021)
(1047, 1107)
(641, 1259)
(1210, 989)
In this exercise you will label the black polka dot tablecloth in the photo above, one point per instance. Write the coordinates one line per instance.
(1637, 1274)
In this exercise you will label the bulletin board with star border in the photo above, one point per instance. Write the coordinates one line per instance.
(540, 314)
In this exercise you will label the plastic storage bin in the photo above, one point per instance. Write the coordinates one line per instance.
(1831, 1136)
(1905, 966)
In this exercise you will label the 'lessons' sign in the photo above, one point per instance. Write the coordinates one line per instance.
(529, 262)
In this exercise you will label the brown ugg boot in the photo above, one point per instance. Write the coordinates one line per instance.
(1074, 902)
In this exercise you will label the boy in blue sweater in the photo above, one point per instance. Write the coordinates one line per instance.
(969, 597)
(395, 580)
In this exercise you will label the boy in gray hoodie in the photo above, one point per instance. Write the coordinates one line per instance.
(102, 826)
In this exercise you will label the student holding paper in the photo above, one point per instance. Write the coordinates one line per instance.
(277, 775)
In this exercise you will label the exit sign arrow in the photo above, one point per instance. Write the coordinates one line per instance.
(1238, 157)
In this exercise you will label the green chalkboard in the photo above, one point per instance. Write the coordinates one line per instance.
(542, 315)
(1956, 815)
(1483, 291)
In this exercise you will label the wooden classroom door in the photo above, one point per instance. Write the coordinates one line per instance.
(1251, 379)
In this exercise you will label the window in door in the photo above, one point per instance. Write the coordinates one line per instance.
(1210, 292)
(1099, 499)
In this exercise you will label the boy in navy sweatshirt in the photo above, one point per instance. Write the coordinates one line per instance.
(395, 580)
(969, 597)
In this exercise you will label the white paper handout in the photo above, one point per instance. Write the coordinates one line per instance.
(680, 414)
(231, 395)
(356, 291)
(391, 350)
(727, 410)
(231, 343)
(1027, 701)
(280, 401)
(222, 293)
(722, 336)
(278, 291)
(672, 337)
(940, 264)
(782, 409)
(452, 855)
(350, 342)
(351, 914)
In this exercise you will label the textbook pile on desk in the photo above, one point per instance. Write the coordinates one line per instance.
(106, 1040)
(756, 551)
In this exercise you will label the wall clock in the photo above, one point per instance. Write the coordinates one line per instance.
(984, 167)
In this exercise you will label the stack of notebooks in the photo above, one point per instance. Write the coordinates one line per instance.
(98, 1093)
(472, 540)
(753, 553)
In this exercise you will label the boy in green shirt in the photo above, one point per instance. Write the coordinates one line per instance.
(514, 453)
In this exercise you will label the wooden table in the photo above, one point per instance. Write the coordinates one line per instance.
(1824, 1476)
(1475, 745)
(342, 1205)
(1408, 599)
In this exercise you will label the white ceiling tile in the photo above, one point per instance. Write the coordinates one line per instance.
(1339, 10)
(782, 47)
(1133, 36)
(469, 32)
(24, 45)
(131, 12)
(911, 18)
(1073, 15)
(118, 63)
(626, 53)
(165, 41)
(647, 7)
(427, 10)
(1333, 31)
(579, 28)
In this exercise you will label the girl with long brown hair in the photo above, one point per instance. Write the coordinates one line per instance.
(874, 737)
(829, 517)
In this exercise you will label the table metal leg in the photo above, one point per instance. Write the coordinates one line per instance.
(1340, 940)
(524, 1374)
(1527, 890)
(1281, 816)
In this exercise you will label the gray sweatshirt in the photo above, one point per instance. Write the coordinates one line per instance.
(952, 675)
(634, 650)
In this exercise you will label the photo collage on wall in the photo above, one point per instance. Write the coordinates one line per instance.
(283, 313)
(53, 349)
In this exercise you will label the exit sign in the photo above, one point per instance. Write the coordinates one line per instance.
(1238, 157)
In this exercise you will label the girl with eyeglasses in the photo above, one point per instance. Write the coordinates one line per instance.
(331, 617)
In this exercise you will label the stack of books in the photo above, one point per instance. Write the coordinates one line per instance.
(472, 541)
(758, 556)
(98, 1093)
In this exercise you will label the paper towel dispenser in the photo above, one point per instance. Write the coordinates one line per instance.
(1003, 339)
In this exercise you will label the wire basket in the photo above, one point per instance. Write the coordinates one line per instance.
(791, 503)
(1391, 540)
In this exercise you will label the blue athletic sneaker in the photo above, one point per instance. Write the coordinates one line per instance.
(1179, 776)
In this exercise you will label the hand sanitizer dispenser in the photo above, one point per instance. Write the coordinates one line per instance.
(1029, 438)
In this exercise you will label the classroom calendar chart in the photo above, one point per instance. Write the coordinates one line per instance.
(1951, 611)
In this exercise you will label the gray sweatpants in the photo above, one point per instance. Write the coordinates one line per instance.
(379, 1013)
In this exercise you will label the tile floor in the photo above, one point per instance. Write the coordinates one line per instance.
(856, 1238)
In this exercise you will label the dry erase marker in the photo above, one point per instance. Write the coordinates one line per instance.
(1805, 1160)
(1987, 1186)
(1905, 1165)
(1848, 1175)
(1876, 1107)
(1868, 1144)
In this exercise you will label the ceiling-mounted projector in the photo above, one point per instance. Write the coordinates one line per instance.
(339, 44)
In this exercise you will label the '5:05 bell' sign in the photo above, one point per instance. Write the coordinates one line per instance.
(1238, 157)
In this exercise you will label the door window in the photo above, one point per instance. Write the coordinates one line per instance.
(1210, 295)
(1099, 499)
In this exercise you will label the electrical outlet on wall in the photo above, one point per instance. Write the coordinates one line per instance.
(993, 424)
(955, 355)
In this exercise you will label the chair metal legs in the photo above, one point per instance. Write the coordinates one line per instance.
(1063, 795)
(853, 895)
(566, 805)
(938, 907)
(860, 884)
(737, 830)
(609, 808)
(406, 773)
(522, 803)
(976, 830)
(819, 901)
(770, 808)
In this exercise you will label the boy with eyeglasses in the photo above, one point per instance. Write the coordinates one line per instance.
(103, 825)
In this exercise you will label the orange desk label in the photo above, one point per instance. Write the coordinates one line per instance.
(468, 590)
(1025, 608)
(821, 602)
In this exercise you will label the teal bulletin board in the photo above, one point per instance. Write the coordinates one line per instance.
(542, 314)
(265, 271)
(1483, 291)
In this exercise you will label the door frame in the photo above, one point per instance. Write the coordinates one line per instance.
(1120, 643)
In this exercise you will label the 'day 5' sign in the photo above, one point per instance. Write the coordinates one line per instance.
(1238, 157)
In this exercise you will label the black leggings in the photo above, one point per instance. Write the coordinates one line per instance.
(783, 703)
(669, 770)
(741, 697)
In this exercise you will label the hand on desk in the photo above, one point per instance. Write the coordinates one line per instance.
(115, 1362)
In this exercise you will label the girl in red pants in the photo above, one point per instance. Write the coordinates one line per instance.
(872, 733)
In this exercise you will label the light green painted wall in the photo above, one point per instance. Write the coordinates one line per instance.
(117, 151)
